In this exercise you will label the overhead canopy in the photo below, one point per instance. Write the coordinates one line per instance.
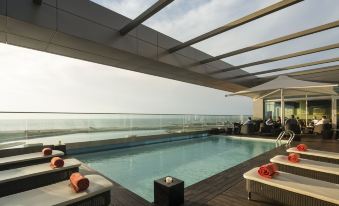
(291, 87)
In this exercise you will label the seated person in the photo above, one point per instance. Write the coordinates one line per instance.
(269, 121)
(293, 125)
(323, 120)
(314, 121)
(279, 120)
(248, 121)
(292, 121)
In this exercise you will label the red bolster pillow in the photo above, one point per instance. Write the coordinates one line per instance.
(47, 151)
(293, 157)
(302, 147)
(79, 182)
(57, 162)
(268, 170)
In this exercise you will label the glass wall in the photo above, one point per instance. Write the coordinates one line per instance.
(315, 108)
(75, 127)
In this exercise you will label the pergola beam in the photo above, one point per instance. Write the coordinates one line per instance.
(317, 70)
(251, 17)
(145, 15)
(274, 41)
(286, 68)
(279, 58)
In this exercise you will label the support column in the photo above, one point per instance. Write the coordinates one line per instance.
(282, 107)
(334, 114)
(306, 110)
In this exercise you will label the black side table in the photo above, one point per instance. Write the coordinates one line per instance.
(168, 194)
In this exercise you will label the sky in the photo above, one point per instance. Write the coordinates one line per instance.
(42, 82)
(37, 81)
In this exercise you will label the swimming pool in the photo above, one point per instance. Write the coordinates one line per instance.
(190, 160)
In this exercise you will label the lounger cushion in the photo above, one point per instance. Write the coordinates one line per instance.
(34, 170)
(28, 157)
(302, 185)
(319, 153)
(308, 164)
(57, 194)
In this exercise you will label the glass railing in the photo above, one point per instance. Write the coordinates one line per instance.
(52, 128)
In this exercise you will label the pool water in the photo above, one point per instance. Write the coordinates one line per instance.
(190, 160)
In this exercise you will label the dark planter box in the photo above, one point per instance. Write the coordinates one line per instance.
(168, 194)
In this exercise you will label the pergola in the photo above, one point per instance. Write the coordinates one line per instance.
(96, 34)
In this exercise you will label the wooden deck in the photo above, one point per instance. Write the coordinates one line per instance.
(224, 188)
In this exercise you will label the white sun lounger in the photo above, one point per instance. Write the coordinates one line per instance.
(309, 168)
(30, 177)
(324, 156)
(61, 193)
(21, 160)
(291, 189)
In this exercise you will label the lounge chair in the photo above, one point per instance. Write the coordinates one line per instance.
(22, 149)
(98, 194)
(34, 176)
(26, 159)
(323, 156)
(309, 168)
(291, 189)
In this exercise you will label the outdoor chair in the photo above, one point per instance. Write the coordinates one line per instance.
(318, 155)
(27, 159)
(26, 178)
(309, 168)
(291, 189)
(247, 129)
(61, 194)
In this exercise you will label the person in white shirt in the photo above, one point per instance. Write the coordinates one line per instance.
(315, 121)
(269, 121)
(248, 121)
(323, 120)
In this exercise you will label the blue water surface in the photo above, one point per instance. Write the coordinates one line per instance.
(190, 160)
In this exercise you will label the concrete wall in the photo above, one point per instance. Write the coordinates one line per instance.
(84, 30)
(258, 109)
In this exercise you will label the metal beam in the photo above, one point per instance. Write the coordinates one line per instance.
(286, 68)
(279, 58)
(317, 70)
(251, 17)
(274, 41)
(145, 15)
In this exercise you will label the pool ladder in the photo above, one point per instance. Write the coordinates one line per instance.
(282, 134)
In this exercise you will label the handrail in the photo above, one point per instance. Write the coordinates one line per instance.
(282, 134)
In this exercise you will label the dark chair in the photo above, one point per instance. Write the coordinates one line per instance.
(236, 127)
(265, 128)
(294, 128)
(247, 129)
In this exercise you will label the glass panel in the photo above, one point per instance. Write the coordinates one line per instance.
(128, 8)
(50, 128)
(316, 108)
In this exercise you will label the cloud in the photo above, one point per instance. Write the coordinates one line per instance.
(57, 83)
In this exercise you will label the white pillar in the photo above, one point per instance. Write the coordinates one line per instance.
(334, 113)
(282, 107)
(306, 110)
